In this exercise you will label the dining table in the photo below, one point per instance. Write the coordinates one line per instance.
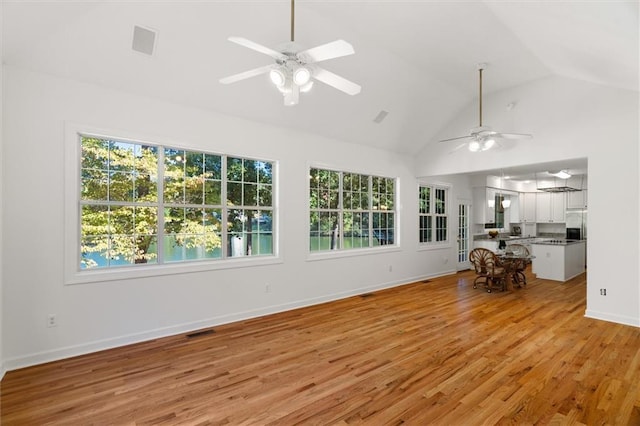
(510, 261)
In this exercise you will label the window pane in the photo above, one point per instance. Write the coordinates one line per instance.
(441, 228)
(192, 233)
(425, 199)
(145, 188)
(234, 169)
(234, 194)
(264, 195)
(250, 194)
(95, 153)
(440, 201)
(174, 190)
(265, 172)
(212, 166)
(314, 198)
(383, 228)
(250, 171)
(193, 190)
(212, 195)
(425, 229)
(95, 185)
(324, 231)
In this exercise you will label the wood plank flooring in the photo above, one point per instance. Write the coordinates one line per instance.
(426, 353)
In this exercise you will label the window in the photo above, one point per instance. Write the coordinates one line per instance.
(146, 204)
(350, 210)
(432, 213)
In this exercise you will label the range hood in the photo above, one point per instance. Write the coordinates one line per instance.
(559, 189)
(560, 185)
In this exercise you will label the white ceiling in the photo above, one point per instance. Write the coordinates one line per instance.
(415, 59)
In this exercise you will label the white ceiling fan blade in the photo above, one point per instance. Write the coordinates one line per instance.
(257, 47)
(458, 138)
(335, 49)
(247, 74)
(514, 135)
(334, 80)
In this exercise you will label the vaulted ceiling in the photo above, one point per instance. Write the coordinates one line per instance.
(416, 59)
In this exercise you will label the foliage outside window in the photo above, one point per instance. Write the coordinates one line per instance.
(432, 213)
(146, 204)
(350, 210)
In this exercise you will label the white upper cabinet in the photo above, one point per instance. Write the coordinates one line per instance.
(483, 211)
(514, 209)
(577, 199)
(550, 207)
(528, 207)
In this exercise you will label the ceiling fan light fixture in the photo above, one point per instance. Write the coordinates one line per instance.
(488, 144)
(306, 87)
(301, 76)
(277, 77)
(474, 146)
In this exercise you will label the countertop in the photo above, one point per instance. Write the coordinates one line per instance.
(558, 242)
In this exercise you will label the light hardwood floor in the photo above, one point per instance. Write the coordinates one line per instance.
(426, 353)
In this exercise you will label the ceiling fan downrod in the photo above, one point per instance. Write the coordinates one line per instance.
(292, 19)
(480, 68)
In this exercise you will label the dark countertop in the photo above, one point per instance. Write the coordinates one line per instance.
(557, 242)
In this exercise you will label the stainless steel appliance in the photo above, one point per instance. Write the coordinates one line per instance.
(576, 220)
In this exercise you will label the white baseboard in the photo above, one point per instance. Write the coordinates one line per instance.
(605, 316)
(99, 345)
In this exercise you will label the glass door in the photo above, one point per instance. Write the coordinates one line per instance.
(464, 213)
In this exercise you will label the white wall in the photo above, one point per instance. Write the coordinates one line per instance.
(104, 314)
(572, 119)
(2, 368)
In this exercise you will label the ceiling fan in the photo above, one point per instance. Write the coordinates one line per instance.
(482, 138)
(294, 68)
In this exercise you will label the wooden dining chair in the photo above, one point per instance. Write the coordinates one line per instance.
(490, 273)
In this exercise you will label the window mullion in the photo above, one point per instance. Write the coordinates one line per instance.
(223, 201)
(160, 204)
(340, 211)
(370, 213)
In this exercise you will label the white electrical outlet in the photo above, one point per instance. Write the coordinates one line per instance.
(390, 268)
(52, 320)
(267, 288)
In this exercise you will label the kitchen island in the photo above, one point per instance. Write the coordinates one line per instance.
(558, 260)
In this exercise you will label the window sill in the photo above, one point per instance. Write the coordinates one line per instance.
(434, 246)
(128, 273)
(337, 254)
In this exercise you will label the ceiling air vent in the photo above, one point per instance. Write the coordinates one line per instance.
(144, 40)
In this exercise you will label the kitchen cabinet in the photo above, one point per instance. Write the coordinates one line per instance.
(550, 207)
(558, 262)
(527, 207)
(514, 209)
(483, 212)
(577, 199)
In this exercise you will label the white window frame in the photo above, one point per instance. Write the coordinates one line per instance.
(73, 274)
(447, 206)
(329, 254)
